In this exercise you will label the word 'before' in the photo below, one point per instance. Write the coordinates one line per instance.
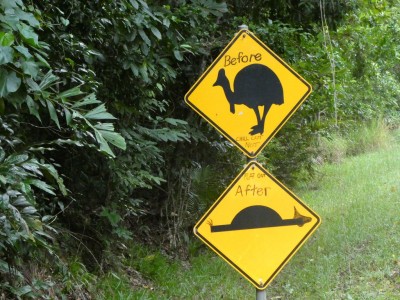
(241, 58)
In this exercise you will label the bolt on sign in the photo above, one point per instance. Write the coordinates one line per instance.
(248, 93)
(257, 225)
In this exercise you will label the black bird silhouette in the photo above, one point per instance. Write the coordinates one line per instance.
(259, 216)
(255, 85)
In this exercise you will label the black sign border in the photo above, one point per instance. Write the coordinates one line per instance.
(225, 134)
(294, 250)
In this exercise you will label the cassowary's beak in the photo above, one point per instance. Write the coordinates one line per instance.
(233, 108)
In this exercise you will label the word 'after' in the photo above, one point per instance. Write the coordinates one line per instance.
(251, 190)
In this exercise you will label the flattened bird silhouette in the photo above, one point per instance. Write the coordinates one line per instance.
(259, 216)
(254, 86)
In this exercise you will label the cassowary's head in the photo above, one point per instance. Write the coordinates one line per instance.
(222, 80)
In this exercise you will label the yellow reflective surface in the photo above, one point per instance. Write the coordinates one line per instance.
(211, 101)
(280, 223)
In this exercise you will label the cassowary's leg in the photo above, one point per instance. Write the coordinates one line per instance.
(259, 128)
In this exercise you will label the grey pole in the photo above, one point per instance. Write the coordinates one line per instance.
(260, 294)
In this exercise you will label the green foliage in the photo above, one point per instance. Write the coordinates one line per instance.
(142, 68)
(40, 113)
(96, 140)
(367, 138)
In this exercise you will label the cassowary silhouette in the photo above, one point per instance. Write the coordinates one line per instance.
(259, 216)
(255, 85)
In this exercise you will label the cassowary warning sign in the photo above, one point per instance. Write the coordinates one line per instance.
(248, 93)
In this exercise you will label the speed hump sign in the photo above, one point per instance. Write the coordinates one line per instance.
(248, 93)
(257, 225)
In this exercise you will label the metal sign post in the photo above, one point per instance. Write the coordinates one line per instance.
(261, 294)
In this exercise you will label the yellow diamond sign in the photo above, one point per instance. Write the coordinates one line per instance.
(257, 225)
(248, 93)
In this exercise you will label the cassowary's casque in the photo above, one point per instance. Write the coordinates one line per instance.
(255, 85)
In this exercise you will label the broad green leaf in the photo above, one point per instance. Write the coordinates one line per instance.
(166, 22)
(68, 116)
(26, 289)
(75, 91)
(134, 4)
(6, 55)
(42, 60)
(156, 32)
(32, 166)
(178, 55)
(24, 51)
(33, 85)
(29, 210)
(28, 17)
(113, 217)
(30, 67)
(17, 98)
(28, 34)
(21, 201)
(64, 21)
(175, 122)
(53, 172)
(11, 3)
(44, 234)
(9, 82)
(47, 218)
(144, 36)
(13, 82)
(42, 185)
(105, 126)
(89, 99)
(53, 113)
(2, 154)
(16, 159)
(99, 113)
(48, 80)
(3, 179)
(6, 39)
(103, 144)
(61, 142)
(33, 107)
(114, 138)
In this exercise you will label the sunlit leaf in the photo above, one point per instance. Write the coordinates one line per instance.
(156, 32)
(99, 113)
(6, 38)
(75, 91)
(28, 34)
(114, 138)
(89, 99)
(144, 37)
(42, 185)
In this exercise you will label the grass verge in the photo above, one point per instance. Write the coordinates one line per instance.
(353, 255)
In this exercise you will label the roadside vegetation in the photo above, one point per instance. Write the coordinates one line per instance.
(104, 169)
(353, 255)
